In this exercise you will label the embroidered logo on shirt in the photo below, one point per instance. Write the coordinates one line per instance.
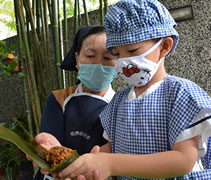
(80, 133)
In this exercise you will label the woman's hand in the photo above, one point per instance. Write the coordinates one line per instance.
(46, 140)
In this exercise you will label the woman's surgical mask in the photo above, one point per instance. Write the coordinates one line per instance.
(137, 70)
(96, 76)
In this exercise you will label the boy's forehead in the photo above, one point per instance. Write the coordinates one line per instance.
(142, 43)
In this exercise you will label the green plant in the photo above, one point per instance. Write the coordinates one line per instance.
(8, 61)
(10, 160)
(5, 51)
(10, 156)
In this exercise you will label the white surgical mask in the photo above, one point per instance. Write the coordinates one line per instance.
(137, 70)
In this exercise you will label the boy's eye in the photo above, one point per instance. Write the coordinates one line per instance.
(132, 50)
(115, 54)
(107, 58)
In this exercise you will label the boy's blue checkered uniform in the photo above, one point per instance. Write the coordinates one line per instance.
(177, 110)
(154, 123)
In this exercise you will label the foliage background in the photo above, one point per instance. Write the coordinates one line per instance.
(7, 15)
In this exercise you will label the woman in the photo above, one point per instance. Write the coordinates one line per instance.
(71, 114)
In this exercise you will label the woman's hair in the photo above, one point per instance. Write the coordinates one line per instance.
(95, 30)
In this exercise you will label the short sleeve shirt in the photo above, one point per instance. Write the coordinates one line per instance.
(154, 122)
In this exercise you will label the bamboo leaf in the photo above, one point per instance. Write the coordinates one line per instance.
(30, 137)
(65, 163)
(35, 151)
(23, 145)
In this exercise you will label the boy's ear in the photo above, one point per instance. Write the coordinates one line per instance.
(76, 58)
(166, 46)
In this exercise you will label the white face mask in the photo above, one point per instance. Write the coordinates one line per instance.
(137, 70)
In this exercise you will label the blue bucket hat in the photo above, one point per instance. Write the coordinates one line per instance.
(133, 21)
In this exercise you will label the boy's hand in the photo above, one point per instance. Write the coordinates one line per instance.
(94, 165)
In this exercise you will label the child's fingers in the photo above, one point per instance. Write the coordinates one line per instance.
(97, 175)
(95, 149)
(54, 174)
(57, 178)
(74, 169)
(81, 177)
(44, 171)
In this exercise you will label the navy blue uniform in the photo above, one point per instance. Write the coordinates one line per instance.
(73, 119)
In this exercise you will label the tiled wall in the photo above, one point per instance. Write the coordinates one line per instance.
(192, 59)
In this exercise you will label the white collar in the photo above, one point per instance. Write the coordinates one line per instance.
(132, 93)
(108, 95)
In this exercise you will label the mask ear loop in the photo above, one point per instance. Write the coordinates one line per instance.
(152, 48)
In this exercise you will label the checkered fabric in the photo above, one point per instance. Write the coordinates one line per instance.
(207, 158)
(153, 123)
(133, 21)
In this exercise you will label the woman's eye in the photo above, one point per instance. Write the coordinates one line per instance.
(89, 56)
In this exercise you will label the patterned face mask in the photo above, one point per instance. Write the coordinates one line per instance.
(137, 70)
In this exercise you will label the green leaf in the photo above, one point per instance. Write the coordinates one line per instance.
(3, 43)
(6, 72)
(35, 151)
(3, 65)
(3, 51)
(12, 47)
(9, 172)
(16, 59)
(20, 74)
(27, 148)
(12, 66)
(31, 139)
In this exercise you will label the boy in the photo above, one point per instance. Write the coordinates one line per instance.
(158, 126)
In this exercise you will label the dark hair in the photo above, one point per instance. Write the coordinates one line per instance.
(93, 31)
(69, 62)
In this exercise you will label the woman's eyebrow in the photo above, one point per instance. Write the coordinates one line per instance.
(90, 49)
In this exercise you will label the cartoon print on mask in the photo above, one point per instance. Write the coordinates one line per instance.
(135, 75)
(130, 70)
(144, 76)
